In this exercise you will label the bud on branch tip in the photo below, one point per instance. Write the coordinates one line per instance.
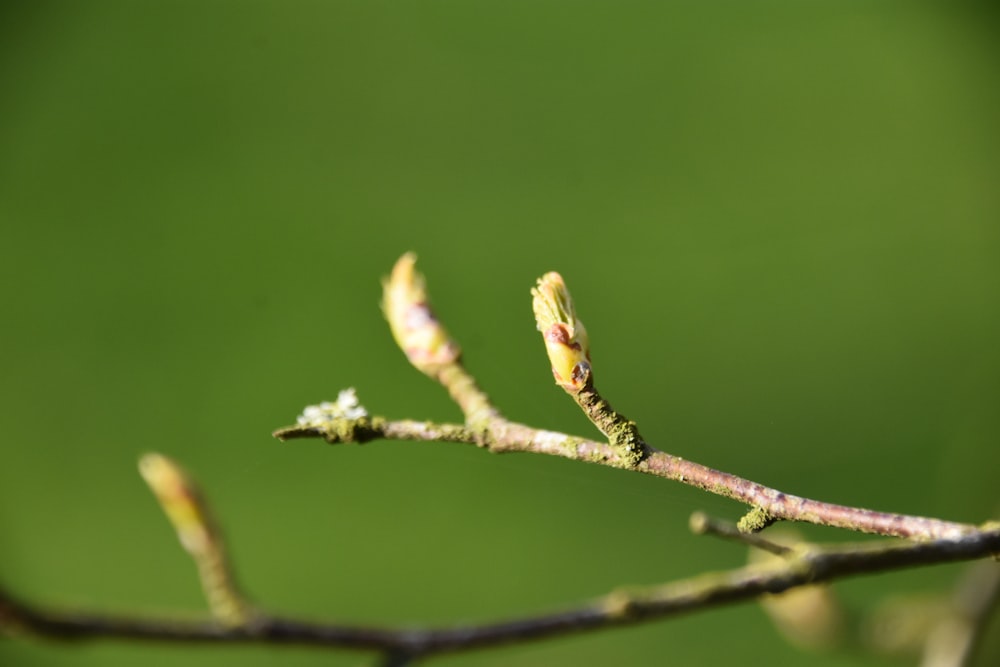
(565, 336)
(184, 506)
(417, 331)
(180, 501)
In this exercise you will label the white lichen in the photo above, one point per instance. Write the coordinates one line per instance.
(345, 407)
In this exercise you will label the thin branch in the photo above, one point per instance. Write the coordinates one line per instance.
(501, 436)
(809, 565)
(568, 347)
(199, 534)
(702, 524)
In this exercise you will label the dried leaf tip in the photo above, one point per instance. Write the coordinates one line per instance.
(565, 336)
(417, 331)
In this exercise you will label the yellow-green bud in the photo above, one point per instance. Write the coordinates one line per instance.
(414, 326)
(180, 500)
(565, 336)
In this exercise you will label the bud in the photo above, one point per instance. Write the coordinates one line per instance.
(187, 511)
(180, 500)
(414, 326)
(565, 337)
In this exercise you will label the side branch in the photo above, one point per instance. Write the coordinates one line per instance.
(200, 536)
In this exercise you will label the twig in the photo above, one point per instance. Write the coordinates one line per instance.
(502, 436)
(568, 347)
(200, 536)
(808, 565)
(702, 524)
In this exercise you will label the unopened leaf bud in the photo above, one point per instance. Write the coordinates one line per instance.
(565, 337)
(184, 506)
(180, 500)
(417, 331)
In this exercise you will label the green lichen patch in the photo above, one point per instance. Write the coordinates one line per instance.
(358, 431)
(624, 436)
(755, 520)
(481, 430)
(571, 446)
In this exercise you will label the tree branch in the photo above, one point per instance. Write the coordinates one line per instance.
(187, 510)
(502, 436)
(807, 565)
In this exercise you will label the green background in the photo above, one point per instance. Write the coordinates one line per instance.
(780, 222)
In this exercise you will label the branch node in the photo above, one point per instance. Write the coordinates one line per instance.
(756, 520)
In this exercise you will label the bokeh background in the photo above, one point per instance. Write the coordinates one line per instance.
(780, 221)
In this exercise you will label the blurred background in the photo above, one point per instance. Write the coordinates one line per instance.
(780, 222)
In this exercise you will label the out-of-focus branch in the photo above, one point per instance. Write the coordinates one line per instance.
(807, 565)
(185, 506)
(702, 524)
